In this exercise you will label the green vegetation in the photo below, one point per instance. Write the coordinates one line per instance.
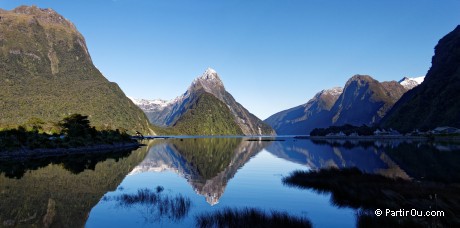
(207, 116)
(48, 73)
(347, 129)
(250, 217)
(353, 188)
(75, 129)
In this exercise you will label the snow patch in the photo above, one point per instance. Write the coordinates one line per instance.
(410, 83)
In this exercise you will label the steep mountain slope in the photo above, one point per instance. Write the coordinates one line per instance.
(365, 101)
(47, 72)
(210, 83)
(304, 118)
(434, 102)
(207, 116)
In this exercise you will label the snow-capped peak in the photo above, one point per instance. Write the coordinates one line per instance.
(419, 80)
(208, 80)
(209, 74)
(148, 105)
(335, 91)
(410, 83)
(210, 71)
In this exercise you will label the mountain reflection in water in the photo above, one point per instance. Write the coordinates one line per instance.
(113, 189)
(207, 163)
(317, 154)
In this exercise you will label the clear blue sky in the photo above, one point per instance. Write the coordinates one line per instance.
(271, 55)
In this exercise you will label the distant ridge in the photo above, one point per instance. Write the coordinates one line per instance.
(363, 100)
(304, 118)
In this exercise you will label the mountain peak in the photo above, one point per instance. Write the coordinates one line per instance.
(209, 80)
(335, 91)
(361, 77)
(46, 16)
(209, 70)
(209, 74)
(410, 83)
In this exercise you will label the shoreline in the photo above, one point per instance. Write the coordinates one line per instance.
(25, 154)
(373, 137)
(384, 137)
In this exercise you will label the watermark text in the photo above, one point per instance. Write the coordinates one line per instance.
(406, 213)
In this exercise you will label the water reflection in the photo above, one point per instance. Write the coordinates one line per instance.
(433, 184)
(420, 159)
(207, 163)
(157, 205)
(317, 154)
(367, 193)
(72, 163)
(60, 192)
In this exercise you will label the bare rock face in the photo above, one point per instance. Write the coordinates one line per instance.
(47, 73)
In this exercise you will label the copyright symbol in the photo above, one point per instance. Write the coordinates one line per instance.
(378, 212)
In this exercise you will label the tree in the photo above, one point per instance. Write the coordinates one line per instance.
(76, 125)
(35, 123)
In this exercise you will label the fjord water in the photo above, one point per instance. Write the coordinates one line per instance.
(171, 181)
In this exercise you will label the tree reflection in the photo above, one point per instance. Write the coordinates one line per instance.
(73, 163)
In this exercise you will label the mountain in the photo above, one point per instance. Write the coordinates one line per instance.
(47, 73)
(434, 102)
(206, 108)
(156, 110)
(304, 118)
(410, 83)
(365, 101)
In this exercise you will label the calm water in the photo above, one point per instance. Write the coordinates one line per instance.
(203, 175)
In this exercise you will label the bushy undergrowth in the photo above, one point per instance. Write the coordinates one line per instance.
(74, 131)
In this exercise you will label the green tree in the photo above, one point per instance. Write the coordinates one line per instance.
(35, 123)
(76, 125)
